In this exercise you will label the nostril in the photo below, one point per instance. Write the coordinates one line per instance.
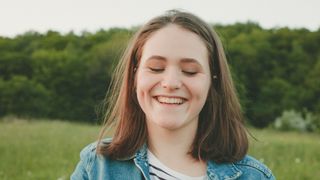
(176, 85)
(171, 80)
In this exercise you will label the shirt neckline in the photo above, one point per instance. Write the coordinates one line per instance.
(155, 161)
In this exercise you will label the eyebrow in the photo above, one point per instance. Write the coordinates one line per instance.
(183, 60)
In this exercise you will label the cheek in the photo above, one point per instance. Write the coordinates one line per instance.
(141, 84)
(144, 84)
(200, 89)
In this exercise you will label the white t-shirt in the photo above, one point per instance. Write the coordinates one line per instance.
(158, 171)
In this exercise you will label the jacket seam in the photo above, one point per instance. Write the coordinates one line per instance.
(266, 172)
(90, 158)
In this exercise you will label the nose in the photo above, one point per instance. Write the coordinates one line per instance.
(171, 80)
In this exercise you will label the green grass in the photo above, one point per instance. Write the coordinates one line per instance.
(50, 150)
(290, 155)
(41, 149)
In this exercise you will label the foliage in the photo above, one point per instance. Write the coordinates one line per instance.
(291, 120)
(66, 76)
(23, 97)
(279, 69)
(313, 121)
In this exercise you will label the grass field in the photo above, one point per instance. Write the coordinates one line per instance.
(50, 150)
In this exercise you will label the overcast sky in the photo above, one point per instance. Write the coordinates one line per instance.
(19, 16)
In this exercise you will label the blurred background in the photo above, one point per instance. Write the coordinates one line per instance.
(57, 59)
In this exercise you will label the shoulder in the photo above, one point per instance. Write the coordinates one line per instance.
(252, 168)
(246, 168)
(84, 166)
(91, 148)
(93, 165)
(88, 153)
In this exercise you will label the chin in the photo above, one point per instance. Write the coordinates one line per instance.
(169, 124)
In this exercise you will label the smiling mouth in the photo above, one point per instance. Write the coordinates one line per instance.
(170, 100)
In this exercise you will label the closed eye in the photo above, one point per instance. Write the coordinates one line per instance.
(158, 70)
(189, 73)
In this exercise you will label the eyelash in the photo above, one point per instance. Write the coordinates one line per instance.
(156, 70)
(189, 73)
(161, 70)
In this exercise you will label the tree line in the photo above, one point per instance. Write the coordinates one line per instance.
(66, 76)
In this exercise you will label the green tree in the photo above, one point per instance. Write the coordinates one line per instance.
(23, 97)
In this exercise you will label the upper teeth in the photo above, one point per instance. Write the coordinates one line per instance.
(170, 100)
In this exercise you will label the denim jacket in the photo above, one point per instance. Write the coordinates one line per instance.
(98, 167)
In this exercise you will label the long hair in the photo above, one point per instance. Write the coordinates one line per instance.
(221, 135)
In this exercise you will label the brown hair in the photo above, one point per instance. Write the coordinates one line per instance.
(220, 136)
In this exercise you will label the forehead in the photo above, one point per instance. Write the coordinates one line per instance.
(174, 43)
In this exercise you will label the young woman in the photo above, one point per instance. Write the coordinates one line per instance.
(175, 110)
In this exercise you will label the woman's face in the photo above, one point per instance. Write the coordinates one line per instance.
(173, 78)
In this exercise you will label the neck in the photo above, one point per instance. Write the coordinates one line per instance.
(166, 143)
(172, 148)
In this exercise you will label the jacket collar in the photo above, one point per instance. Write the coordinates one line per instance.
(141, 154)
